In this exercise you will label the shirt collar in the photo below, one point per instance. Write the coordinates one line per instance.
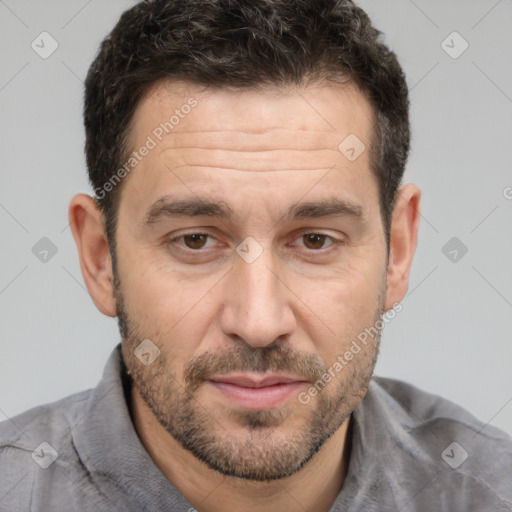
(108, 445)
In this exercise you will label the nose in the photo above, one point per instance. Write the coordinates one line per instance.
(256, 306)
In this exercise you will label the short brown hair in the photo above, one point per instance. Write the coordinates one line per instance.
(242, 43)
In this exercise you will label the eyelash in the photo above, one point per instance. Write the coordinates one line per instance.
(333, 241)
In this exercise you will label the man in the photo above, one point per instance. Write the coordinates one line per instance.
(250, 232)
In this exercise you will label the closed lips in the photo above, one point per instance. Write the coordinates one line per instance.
(248, 382)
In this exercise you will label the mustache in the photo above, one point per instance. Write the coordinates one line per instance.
(243, 358)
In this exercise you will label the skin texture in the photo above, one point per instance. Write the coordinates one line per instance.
(292, 310)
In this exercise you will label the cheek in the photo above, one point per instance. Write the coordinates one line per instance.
(346, 307)
(172, 312)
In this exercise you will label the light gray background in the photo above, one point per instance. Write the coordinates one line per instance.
(453, 335)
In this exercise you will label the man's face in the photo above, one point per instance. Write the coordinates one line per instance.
(275, 288)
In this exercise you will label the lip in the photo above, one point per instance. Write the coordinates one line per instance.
(255, 392)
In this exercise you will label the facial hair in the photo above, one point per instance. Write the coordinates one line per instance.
(263, 447)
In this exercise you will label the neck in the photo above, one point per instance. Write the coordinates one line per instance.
(314, 487)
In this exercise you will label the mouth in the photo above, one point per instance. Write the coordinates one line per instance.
(256, 392)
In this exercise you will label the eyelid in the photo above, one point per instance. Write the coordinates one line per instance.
(333, 239)
(196, 232)
(298, 236)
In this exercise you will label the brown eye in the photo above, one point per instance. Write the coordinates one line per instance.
(314, 240)
(195, 240)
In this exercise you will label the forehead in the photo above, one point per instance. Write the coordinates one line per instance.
(204, 139)
(319, 110)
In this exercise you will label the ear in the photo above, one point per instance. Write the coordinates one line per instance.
(404, 236)
(87, 226)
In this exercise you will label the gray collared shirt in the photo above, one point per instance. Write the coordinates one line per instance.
(410, 451)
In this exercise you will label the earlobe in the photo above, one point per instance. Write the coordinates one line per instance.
(404, 236)
(87, 226)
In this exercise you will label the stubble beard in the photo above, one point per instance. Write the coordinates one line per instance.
(268, 444)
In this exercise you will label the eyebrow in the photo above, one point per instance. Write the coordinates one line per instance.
(168, 208)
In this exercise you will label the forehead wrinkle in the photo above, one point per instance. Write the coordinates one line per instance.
(266, 171)
(264, 160)
(236, 140)
(245, 131)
